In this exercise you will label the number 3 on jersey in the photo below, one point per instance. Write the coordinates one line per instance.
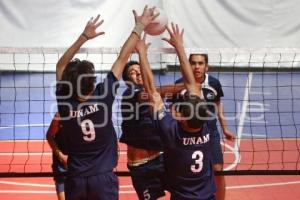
(197, 156)
(88, 130)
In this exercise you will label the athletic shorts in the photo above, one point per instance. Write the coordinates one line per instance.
(59, 175)
(149, 179)
(217, 149)
(98, 187)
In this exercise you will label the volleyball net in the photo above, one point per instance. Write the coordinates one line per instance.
(261, 104)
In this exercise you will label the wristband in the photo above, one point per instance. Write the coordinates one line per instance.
(138, 29)
(85, 36)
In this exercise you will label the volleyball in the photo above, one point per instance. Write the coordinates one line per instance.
(159, 25)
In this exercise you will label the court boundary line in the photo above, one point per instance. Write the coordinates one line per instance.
(241, 124)
(131, 191)
(49, 192)
(46, 153)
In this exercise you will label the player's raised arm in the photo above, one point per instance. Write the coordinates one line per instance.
(176, 40)
(148, 79)
(90, 32)
(140, 23)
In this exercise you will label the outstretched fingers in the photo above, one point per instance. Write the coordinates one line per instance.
(99, 23)
(145, 8)
(167, 40)
(90, 30)
(147, 17)
(176, 35)
(170, 32)
(155, 16)
(96, 19)
(100, 33)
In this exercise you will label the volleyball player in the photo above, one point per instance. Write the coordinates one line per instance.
(144, 145)
(212, 92)
(86, 113)
(187, 141)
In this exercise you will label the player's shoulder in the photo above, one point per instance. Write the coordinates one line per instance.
(110, 75)
(109, 80)
(212, 79)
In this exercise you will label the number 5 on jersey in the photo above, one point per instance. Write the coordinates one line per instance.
(88, 130)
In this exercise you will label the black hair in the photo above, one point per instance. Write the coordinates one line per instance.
(73, 70)
(194, 108)
(199, 54)
(67, 77)
(125, 71)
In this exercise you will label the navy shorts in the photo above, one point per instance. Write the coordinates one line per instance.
(217, 149)
(59, 175)
(149, 179)
(98, 187)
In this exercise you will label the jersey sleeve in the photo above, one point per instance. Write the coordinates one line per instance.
(167, 125)
(219, 90)
(108, 88)
(215, 83)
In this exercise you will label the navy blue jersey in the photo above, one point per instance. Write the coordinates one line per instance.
(211, 88)
(138, 128)
(88, 130)
(188, 160)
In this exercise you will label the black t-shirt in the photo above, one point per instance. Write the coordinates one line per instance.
(188, 159)
(211, 89)
(88, 131)
(138, 128)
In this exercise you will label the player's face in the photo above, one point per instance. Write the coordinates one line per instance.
(199, 66)
(134, 74)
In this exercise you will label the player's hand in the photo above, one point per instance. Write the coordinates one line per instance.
(90, 30)
(229, 135)
(147, 17)
(176, 36)
(141, 46)
(63, 159)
